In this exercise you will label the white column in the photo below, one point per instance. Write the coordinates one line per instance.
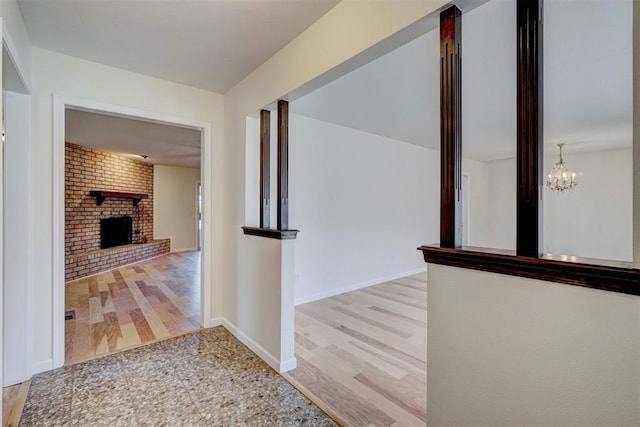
(17, 238)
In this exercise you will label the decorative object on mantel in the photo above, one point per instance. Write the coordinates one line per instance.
(561, 178)
(102, 195)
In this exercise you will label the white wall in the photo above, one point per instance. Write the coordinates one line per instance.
(491, 203)
(257, 313)
(2, 326)
(501, 204)
(595, 219)
(507, 351)
(252, 162)
(317, 55)
(363, 203)
(475, 222)
(636, 131)
(488, 80)
(56, 74)
(174, 206)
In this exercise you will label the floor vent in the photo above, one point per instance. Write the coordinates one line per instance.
(69, 315)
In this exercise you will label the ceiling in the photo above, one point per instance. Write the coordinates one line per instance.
(211, 44)
(163, 144)
(214, 44)
(587, 83)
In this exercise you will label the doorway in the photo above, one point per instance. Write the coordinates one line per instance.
(132, 268)
(61, 106)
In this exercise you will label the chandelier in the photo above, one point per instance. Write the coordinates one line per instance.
(560, 178)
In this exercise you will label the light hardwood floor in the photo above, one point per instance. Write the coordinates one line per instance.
(362, 356)
(13, 399)
(133, 305)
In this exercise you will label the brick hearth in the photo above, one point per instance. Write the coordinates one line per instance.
(93, 262)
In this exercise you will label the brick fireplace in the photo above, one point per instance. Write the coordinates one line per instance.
(88, 170)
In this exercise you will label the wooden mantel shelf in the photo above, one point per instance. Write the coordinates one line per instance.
(101, 195)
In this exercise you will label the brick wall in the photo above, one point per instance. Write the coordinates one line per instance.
(87, 169)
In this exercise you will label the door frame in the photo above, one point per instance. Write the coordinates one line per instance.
(60, 104)
(198, 214)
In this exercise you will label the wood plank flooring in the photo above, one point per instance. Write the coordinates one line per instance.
(132, 305)
(362, 356)
(13, 399)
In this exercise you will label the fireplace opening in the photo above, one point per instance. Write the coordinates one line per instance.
(115, 231)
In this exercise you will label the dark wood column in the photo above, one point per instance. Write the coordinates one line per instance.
(450, 129)
(283, 165)
(282, 232)
(529, 134)
(526, 261)
(265, 161)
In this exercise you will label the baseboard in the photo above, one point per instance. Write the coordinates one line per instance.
(255, 347)
(42, 366)
(212, 323)
(288, 365)
(183, 250)
(356, 286)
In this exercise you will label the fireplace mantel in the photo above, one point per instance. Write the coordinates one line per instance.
(101, 195)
